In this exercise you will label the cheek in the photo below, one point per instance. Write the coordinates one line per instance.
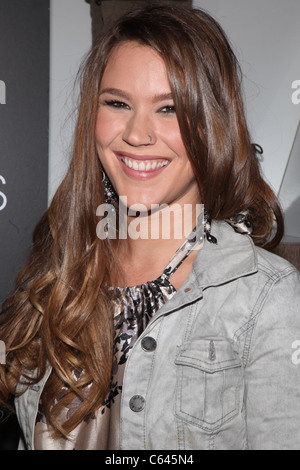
(100, 132)
(106, 130)
(172, 137)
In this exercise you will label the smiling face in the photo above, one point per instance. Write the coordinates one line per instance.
(137, 133)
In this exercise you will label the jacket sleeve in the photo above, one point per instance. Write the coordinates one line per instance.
(272, 373)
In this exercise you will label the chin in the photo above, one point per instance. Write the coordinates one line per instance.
(136, 204)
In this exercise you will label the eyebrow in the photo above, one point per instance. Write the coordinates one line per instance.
(121, 93)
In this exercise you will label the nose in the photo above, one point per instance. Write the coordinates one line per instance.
(139, 131)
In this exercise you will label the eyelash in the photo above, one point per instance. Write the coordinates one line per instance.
(120, 105)
(116, 104)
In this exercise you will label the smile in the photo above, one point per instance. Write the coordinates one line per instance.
(144, 165)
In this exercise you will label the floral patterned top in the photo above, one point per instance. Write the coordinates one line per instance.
(134, 308)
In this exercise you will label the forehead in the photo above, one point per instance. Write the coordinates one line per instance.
(135, 66)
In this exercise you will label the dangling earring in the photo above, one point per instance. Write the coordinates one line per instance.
(110, 199)
(109, 192)
(207, 227)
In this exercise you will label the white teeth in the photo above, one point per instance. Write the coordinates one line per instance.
(135, 165)
(144, 166)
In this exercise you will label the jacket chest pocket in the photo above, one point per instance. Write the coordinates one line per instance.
(209, 383)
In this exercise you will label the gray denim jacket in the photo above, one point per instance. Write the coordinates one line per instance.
(222, 367)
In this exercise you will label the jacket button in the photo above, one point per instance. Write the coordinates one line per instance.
(187, 289)
(148, 344)
(137, 403)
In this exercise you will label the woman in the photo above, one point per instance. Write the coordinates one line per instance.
(204, 324)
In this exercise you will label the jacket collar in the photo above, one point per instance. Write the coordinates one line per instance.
(232, 257)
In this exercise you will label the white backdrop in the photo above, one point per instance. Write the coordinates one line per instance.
(70, 40)
(265, 36)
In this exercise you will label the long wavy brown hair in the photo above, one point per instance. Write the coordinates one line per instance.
(60, 314)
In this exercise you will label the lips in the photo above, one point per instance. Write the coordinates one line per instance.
(142, 166)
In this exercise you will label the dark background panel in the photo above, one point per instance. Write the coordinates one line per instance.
(24, 69)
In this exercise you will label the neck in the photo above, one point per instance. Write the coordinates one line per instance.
(164, 228)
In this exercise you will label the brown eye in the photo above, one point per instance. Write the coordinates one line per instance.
(168, 110)
(117, 104)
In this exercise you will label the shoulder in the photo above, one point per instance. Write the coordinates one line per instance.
(278, 306)
(275, 314)
(279, 279)
(282, 277)
(273, 265)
